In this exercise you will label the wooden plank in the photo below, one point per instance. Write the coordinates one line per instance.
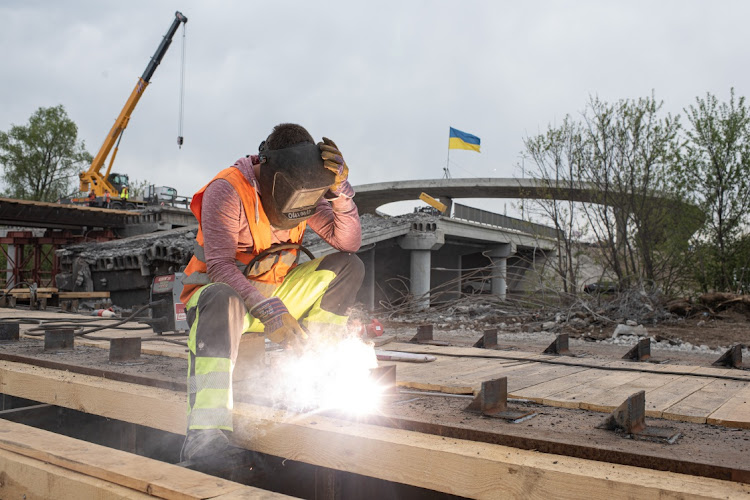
(541, 392)
(735, 412)
(24, 477)
(572, 398)
(459, 467)
(608, 400)
(162, 409)
(434, 376)
(249, 493)
(138, 473)
(666, 367)
(491, 372)
(544, 374)
(667, 395)
(466, 468)
(699, 405)
(563, 360)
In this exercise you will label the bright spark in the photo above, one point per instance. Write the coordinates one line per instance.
(331, 373)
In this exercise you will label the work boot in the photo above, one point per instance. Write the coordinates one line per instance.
(203, 443)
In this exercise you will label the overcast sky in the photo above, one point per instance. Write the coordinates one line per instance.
(384, 79)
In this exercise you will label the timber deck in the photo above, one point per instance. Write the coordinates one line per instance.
(697, 394)
(677, 392)
(446, 463)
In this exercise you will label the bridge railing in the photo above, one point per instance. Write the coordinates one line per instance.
(492, 219)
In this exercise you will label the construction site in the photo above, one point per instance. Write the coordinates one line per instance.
(476, 396)
(456, 373)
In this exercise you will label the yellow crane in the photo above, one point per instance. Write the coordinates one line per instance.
(93, 179)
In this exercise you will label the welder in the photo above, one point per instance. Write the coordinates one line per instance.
(244, 275)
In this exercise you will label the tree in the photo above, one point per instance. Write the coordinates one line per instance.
(625, 154)
(556, 158)
(643, 218)
(41, 160)
(138, 188)
(718, 168)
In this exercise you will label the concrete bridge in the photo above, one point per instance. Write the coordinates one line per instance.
(371, 196)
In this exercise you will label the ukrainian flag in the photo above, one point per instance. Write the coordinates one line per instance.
(462, 140)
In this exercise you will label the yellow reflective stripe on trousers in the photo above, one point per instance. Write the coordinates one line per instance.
(210, 418)
(212, 386)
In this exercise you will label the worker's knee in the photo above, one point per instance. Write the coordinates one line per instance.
(218, 292)
(347, 267)
(342, 291)
(219, 300)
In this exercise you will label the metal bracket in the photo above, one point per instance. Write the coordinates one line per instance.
(9, 331)
(385, 376)
(559, 346)
(732, 358)
(424, 336)
(488, 339)
(492, 401)
(62, 339)
(124, 349)
(640, 352)
(630, 418)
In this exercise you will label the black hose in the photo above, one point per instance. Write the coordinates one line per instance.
(100, 327)
(276, 249)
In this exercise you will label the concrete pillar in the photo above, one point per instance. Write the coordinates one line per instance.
(499, 277)
(423, 238)
(419, 274)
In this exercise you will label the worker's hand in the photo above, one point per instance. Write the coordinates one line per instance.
(280, 326)
(333, 160)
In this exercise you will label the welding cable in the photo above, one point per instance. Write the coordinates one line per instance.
(582, 365)
(54, 323)
(182, 343)
(100, 327)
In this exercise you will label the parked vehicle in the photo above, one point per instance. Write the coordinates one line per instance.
(118, 184)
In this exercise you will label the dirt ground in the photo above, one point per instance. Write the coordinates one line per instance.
(682, 341)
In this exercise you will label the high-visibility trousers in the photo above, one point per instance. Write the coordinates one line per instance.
(316, 292)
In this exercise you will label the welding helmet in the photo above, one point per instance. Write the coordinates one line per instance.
(292, 181)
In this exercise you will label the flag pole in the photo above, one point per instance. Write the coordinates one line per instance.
(446, 173)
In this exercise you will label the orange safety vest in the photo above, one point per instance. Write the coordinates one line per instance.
(260, 231)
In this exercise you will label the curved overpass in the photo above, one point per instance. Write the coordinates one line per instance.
(371, 196)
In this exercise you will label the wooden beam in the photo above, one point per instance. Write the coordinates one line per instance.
(137, 473)
(460, 467)
(24, 477)
(150, 406)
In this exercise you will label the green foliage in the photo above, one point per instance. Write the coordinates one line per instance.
(718, 169)
(138, 189)
(556, 156)
(41, 160)
(625, 155)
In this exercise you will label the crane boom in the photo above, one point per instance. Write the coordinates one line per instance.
(93, 178)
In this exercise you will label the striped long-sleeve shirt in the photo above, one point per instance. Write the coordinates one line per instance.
(226, 231)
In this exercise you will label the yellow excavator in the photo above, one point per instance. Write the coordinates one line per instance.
(95, 183)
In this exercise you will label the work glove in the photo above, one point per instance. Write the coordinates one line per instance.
(333, 160)
(280, 326)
